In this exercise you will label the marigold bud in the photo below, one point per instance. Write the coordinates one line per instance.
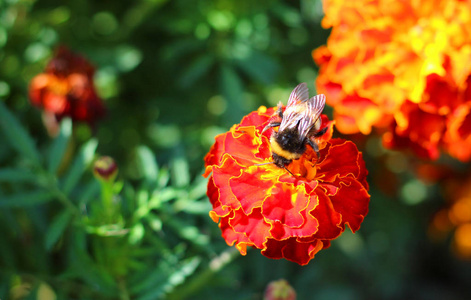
(105, 168)
(279, 290)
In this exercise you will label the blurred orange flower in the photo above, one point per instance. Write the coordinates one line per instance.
(290, 216)
(66, 88)
(403, 67)
(456, 216)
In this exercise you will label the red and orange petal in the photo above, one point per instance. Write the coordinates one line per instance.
(266, 207)
(383, 56)
(66, 88)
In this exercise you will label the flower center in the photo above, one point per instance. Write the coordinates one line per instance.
(305, 166)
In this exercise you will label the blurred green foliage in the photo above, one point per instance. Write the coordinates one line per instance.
(173, 74)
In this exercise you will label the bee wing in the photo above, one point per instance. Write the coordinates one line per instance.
(316, 106)
(304, 115)
(298, 95)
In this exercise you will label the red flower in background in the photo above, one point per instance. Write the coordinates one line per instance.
(266, 207)
(403, 67)
(66, 88)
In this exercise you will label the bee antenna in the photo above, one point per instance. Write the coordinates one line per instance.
(267, 163)
(288, 171)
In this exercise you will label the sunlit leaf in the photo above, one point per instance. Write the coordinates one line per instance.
(147, 164)
(198, 188)
(184, 270)
(136, 233)
(180, 172)
(16, 134)
(177, 277)
(153, 280)
(163, 177)
(81, 162)
(59, 146)
(57, 228)
(45, 292)
(187, 231)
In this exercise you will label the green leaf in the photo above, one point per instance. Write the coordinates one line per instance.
(17, 135)
(17, 175)
(26, 199)
(57, 228)
(187, 232)
(59, 146)
(179, 276)
(196, 70)
(198, 188)
(136, 234)
(81, 162)
(259, 67)
(89, 192)
(180, 172)
(147, 164)
(233, 90)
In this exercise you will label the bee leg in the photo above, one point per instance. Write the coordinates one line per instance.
(274, 124)
(279, 111)
(321, 132)
(314, 146)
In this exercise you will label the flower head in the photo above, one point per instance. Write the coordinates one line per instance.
(292, 213)
(402, 67)
(66, 88)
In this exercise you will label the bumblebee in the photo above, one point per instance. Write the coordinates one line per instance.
(299, 125)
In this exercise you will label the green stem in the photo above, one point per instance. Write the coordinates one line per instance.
(107, 198)
(123, 291)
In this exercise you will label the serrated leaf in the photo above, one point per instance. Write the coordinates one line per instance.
(59, 146)
(147, 163)
(17, 175)
(81, 162)
(17, 135)
(57, 228)
(26, 199)
(85, 267)
(185, 269)
(153, 279)
(186, 231)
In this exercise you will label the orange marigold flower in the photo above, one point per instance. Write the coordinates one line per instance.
(66, 88)
(402, 67)
(290, 216)
(455, 216)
